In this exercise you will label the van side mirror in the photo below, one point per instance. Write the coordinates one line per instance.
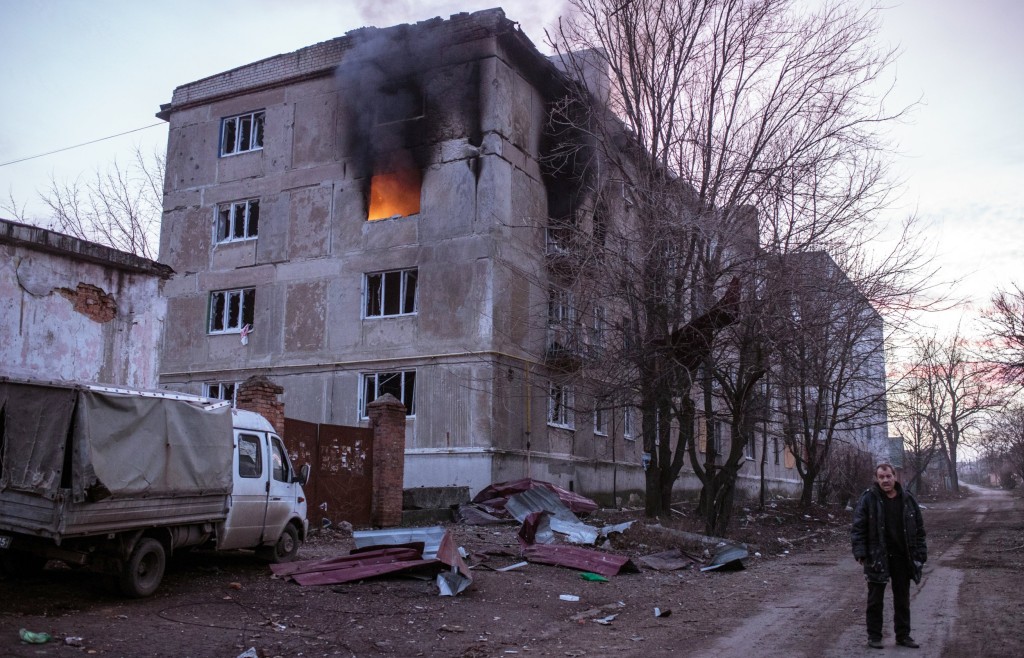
(303, 476)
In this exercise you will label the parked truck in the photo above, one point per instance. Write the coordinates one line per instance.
(117, 480)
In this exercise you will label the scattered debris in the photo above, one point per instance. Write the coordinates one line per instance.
(568, 597)
(371, 561)
(670, 560)
(593, 577)
(451, 628)
(511, 567)
(74, 641)
(658, 612)
(591, 613)
(729, 557)
(31, 637)
(582, 559)
(249, 653)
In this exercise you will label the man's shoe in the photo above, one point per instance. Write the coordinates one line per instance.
(876, 644)
(909, 643)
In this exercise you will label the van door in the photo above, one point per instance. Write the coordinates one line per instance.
(244, 525)
(281, 503)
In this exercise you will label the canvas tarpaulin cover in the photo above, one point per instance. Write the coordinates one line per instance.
(123, 445)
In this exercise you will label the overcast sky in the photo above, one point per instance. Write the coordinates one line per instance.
(76, 71)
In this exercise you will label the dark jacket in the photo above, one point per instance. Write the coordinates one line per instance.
(867, 534)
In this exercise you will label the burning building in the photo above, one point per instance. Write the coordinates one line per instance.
(373, 214)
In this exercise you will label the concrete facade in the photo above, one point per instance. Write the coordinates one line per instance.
(462, 104)
(72, 310)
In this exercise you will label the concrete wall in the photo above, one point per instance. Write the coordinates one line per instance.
(77, 311)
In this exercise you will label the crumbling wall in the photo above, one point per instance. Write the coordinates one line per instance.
(71, 320)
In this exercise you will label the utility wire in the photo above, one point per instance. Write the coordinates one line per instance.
(68, 148)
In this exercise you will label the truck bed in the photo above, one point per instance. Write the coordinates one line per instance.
(62, 518)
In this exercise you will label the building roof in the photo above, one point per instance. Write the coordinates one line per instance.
(45, 240)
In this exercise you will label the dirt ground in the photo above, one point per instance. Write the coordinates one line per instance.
(801, 594)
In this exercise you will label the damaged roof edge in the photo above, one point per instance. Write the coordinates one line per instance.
(42, 239)
(323, 58)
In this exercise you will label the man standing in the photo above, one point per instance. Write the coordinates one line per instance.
(888, 539)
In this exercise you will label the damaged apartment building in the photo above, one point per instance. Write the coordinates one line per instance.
(371, 215)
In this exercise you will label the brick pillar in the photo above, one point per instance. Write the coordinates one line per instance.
(259, 394)
(387, 418)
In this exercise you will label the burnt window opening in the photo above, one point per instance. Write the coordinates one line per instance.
(395, 194)
(399, 101)
(231, 311)
(241, 133)
(401, 384)
(221, 391)
(390, 293)
(238, 221)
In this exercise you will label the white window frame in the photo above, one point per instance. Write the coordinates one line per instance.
(560, 403)
(601, 421)
(406, 389)
(384, 283)
(231, 136)
(560, 308)
(222, 391)
(628, 424)
(244, 311)
(231, 216)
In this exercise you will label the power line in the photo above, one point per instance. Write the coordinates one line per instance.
(68, 148)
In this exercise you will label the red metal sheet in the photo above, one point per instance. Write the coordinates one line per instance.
(582, 559)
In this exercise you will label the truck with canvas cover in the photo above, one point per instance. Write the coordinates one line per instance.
(116, 480)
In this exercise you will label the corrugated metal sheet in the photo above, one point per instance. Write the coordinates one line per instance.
(578, 558)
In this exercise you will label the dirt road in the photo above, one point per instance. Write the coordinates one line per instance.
(969, 602)
(807, 600)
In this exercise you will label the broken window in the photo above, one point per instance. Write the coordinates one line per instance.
(238, 221)
(241, 133)
(560, 310)
(560, 406)
(390, 293)
(232, 310)
(400, 384)
(599, 329)
(221, 391)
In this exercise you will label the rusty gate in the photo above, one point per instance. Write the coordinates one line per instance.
(340, 484)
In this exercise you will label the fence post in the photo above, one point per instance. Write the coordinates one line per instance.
(259, 394)
(387, 418)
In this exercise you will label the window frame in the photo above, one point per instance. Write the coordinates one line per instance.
(257, 126)
(602, 418)
(407, 389)
(381, 295)
(628, 424)
(244, 312)
(250, 226)
(255, 439)
(209, 393)
(560, 402)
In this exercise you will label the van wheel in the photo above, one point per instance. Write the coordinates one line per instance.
(144, 570)
(286, 548)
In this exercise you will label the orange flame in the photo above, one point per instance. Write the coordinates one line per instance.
(394, 194)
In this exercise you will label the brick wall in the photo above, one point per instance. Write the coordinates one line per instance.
(92, 302)
(259, 394)
(387, 418)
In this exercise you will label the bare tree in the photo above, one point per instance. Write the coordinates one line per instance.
(728, 125)
(1003, 440)
(952, 391)
(909, 413)
(1004, 322)
(120, 207)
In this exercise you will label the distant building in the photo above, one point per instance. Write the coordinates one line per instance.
(73, 310)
